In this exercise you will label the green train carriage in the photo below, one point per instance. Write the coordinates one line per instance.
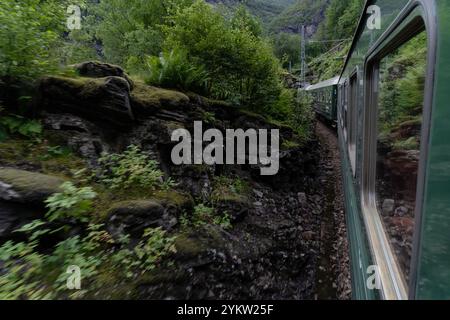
(393, 118)
(324, 97)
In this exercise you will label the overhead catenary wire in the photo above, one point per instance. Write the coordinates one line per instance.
(325, 41)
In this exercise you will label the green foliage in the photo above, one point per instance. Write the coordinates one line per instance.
(224, 221)
(299, 13)
(148, 254)
(240, 65)
(14, 124)
(131, 168)
(30, 31)
(174, 70)
(21, 268)
(303, 117)
(72, 202)
(225, 186)
(402, 86)
(341, 18)
(329, 64)
(287, 48)
(31, 275)
(131, 30)
(209, 117)
(264, 10)
(28, 274)
(204, 215)
(408, 144)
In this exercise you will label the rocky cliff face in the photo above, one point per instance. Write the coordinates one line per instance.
(284, 15)
(269, 253)
(309, 13)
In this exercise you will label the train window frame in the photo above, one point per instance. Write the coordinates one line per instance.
(416, 17)
(352, 105)
(341, 104)
(345, 111)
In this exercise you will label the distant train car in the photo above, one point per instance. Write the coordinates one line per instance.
(393, 116)
(324, 98)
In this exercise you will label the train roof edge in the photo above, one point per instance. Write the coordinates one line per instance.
(323, 84)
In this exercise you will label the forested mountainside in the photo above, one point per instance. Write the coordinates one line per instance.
(326, 58)
(303, 12)
(266, 10)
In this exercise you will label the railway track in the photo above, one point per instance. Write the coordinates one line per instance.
(333, 269)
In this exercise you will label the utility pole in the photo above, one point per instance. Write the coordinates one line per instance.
(303, 58)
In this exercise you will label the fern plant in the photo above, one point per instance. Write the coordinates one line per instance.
(174, 70)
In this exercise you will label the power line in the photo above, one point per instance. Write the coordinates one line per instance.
(337, 40)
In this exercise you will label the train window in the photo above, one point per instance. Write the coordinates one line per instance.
(345, 111)
(341, 105)
(352, 125)
(399, 121)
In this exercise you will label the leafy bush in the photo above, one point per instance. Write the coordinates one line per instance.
(131, 168)
(152, 249)
(241, 65)
(31, 275)
(302, 119)
(204, 215)
(174, 70)
(30, 31)
(73, 202)
(131, 30)
(225, 186)
(28, 274)
(14, 124)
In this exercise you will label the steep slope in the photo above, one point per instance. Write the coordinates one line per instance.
(303, 12)
(266, 10)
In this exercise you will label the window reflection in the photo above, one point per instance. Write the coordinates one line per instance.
(401, 96)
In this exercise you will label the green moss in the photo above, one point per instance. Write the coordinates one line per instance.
(188, 246)
(30, 183)
(135, 205)
(152, 97)
(39, 155)
(208, 102)
(180, 200)
(107, 199)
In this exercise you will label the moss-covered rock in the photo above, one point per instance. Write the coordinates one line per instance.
(192, 244)
(147, 100)
(181, 201)
(104, 99)
(97, 69)
(27, 187)
(60, 162)
(189, 246)
(133, 217)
